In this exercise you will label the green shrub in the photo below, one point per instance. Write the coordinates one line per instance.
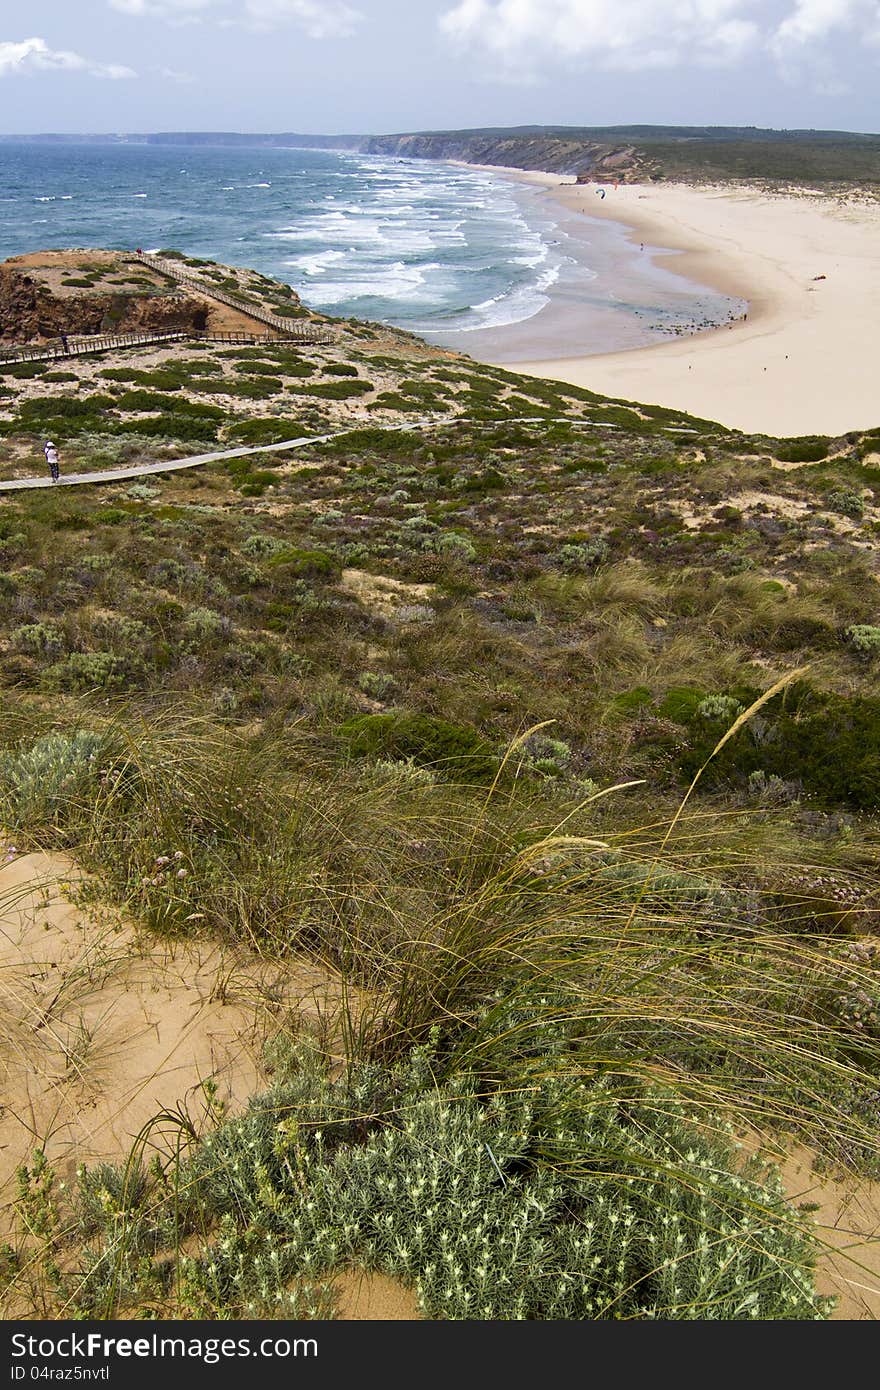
(159, 380)
(39, 784)
(865, 637)
(681, 703)
(453, 749)
(65, 407)
(145, 400)
(84, 671)
(181, 425)
(248, 389)
(335, 390)
(846, 503)
(583, 556)
(569, 1203)
(24, 371)
(809, 449)
(340, 369)
(306, 564)
(629, 701)
(827, 743)
(289, 311)
(264, 431)
(39, 639)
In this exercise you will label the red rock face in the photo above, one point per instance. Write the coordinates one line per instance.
(30, 312)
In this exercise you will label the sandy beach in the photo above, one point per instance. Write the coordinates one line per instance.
(804, 361)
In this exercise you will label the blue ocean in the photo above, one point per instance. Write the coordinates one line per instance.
(442, 250)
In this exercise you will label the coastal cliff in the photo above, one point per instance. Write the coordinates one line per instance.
(46, 294)
(589, 160)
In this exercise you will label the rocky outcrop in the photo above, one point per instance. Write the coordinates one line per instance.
(588, 160)
(30, 312)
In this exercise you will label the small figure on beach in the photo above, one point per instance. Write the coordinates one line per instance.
(51, 453)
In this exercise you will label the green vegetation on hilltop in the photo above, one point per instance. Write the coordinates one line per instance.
(691, 154)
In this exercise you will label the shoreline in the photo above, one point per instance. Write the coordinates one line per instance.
(604, 293)
(800, 363)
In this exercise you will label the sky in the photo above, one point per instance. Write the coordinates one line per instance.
(382, 66)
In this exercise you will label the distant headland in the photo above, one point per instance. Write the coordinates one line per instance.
(621, 153)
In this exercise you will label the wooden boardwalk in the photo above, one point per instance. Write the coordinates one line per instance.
(303, 332)
(143, 470)
(110, 342)
(81, 344)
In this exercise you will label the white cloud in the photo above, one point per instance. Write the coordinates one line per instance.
(34, 56)
(318, 19)
(812, 21)
(174, 75)
(164, 9)
(628, 34)
(524, 35)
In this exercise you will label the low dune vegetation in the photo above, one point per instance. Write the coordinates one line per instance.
(549, 727)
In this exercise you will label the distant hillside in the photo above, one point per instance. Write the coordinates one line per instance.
(631, 153)
(555, 153)
(636, 153)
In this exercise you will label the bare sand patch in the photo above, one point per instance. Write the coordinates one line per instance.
(101, 1027)
(374, 1297)
(382, 594)
(789, 507)
(848, 1225)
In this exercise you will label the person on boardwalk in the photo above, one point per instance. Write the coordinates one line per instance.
(65, 345)
(52, 459)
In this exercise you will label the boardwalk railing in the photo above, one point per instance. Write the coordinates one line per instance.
(42, 352)
(305, 332)
(80, 346)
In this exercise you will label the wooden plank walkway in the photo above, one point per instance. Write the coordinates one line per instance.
(142, 470)
(304, 332)
(81, 346)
